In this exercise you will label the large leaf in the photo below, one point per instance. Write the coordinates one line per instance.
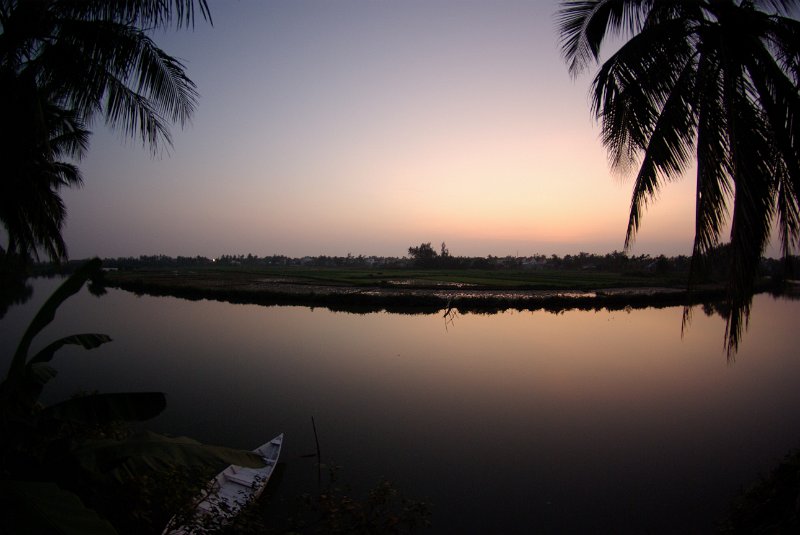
(148, 451)
(40, 374)
(31, 507)
(37, 373)
(47, 313)
(85, 340)
(28, 390)
(101, 409)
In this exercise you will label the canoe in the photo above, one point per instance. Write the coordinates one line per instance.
(230, 491)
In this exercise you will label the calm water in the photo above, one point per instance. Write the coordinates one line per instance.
(514, 422)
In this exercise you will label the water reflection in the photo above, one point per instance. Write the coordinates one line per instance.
(15, 288)
(601, 421)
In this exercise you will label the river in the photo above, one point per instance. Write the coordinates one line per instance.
(599, 421)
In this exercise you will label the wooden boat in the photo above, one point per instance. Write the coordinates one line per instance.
(230, 491)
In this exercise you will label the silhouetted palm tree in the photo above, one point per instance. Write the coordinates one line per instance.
(63, 63)
(36, 135)
(711, 81)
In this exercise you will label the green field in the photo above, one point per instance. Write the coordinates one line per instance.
(500, 279)
(489, 279)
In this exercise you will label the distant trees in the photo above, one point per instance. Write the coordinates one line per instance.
(716, 268)
(423, 255)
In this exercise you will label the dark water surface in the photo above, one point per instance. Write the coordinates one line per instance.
(513, 422)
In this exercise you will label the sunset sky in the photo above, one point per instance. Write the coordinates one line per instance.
(364, 127)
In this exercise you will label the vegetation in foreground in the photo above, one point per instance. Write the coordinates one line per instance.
(75, 466)
(80, 466)
(772, 505)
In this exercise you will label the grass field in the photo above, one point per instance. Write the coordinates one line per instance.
(505, 279)
(411, 290)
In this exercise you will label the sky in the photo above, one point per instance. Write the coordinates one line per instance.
(328, 127)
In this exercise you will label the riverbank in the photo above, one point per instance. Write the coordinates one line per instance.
(415, 292)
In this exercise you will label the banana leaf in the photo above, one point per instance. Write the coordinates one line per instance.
(26, 391)
(29, 386)
(47, 313)
(85, 340)
(40, 374)
(147, 451)
(102, 409)
(32, 508)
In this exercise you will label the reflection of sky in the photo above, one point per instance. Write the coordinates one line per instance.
(579, 422)
(365, 127)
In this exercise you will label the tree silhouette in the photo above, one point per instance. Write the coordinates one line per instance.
(63, 63)
(34, 138)
(424, 255)
(714, 81)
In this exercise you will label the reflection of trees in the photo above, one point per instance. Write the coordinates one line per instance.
(14, 290)
(14, 287)
(713, 81)
(720, 308)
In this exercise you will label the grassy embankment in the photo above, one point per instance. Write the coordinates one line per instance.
(414, 290)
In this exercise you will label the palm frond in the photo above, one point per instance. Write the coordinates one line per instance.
(779, 6)
(128, 72)
(780, 101)
(64, 175)
(753, 205)
(135, 115)
(713, 170)
(669, 148)
(143, 13)
(784, 41)
(788, 211)
(164, 80)
(632, 86)
(33, 212)
(584, 25)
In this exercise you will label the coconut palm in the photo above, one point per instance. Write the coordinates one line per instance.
(36, 138)
(708, 81)
(63, 63)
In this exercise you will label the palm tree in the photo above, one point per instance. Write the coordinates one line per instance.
(711, 81)
(63, 63)
(36, 135)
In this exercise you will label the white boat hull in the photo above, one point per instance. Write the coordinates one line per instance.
(230, 491)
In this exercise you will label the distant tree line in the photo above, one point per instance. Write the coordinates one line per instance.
(425, 256)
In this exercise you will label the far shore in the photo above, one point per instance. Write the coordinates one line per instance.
(424, 293)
